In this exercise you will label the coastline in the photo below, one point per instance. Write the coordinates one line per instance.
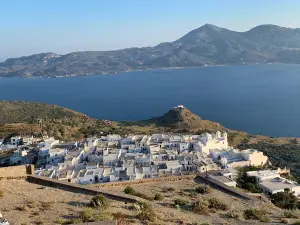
(144, 70)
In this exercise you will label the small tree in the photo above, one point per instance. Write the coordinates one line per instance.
(248, 182)
(99, 201)
(285, 200)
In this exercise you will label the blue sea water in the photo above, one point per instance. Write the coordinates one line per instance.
(259, 99)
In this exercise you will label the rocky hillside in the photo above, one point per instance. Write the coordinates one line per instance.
(206, 45)
(30, 112)
(180, 119)
(33, 118)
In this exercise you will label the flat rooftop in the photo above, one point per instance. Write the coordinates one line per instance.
(278, 184)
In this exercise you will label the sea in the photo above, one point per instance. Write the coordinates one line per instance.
(259, 99)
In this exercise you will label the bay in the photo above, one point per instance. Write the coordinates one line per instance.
(259, 99)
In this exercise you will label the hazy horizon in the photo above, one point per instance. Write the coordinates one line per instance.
(32, 27)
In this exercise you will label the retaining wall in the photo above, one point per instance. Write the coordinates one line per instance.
(143, 181)
(84, 189)
(13, 172)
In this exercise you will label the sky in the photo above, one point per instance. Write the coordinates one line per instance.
(63, 26)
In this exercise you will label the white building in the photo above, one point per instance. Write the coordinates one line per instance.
(208, 142)
(279, 184)
(48, 143)
(262, 175)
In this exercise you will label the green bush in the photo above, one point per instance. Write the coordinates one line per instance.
(99, 201)
(180, 202)
(285, 200)
(203, 189)
(129, 190)
(87, 215)
(215, 203)
(201, 207)
(290, 214)
(158, 197)
(296, 223)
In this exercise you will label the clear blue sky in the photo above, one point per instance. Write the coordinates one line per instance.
(62, 26)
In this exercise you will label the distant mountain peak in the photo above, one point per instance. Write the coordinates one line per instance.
(211, 26)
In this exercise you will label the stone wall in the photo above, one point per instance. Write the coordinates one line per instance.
(142, 181)
(13, 172)
(84, 189)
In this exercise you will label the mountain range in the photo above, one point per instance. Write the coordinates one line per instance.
(206, 45)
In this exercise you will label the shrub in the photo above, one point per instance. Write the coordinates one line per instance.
(1, 194)
(255, 214)
(129, 190)
(232, 215)
(285, 200)
(145, 212)
(158, 197)
(104, 215)
(201, 207)
(296, 223)
(168, 189)
(289, 214)
(203, 189)
(180, 202)
(265, 219)
(31, 204)
(87, 215)
(99, 201)
(144, 196)
(215, 203)
(284, 221)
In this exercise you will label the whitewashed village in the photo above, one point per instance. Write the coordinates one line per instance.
(113, 158)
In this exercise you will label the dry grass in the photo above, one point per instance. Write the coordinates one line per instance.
(211, 211)
(61, 207)
(26, 203)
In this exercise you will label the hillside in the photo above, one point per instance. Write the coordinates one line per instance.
(22, 202)
(33, 118)
(180, 119)
(206, 45)
(29, 112)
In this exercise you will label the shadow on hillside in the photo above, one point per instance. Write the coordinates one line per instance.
(78, 204)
